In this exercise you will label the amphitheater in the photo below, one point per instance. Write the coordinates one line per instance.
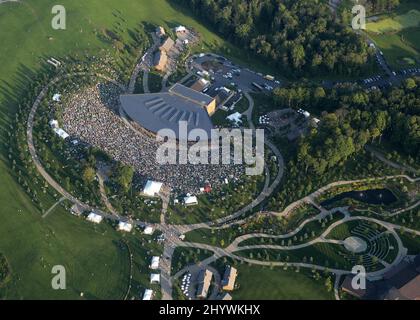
(92, 116)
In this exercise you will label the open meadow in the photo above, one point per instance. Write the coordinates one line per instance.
(94, 260)
(397, 35)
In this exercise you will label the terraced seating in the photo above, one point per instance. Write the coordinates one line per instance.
(378, 245)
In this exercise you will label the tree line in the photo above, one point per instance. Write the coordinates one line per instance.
(297, 37)
(379, 6)
(355, 118)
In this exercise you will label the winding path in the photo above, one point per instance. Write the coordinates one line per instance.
(144, 65)
(391, 163)
(172, 232)
(34, 155)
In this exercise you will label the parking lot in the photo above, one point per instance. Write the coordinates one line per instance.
(225, 73)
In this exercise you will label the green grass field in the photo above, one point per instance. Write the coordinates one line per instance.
(397, 35)
(410, 19)
(258, 282)
(31, 245)
(265, 283)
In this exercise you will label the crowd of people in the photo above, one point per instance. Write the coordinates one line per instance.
(92, 116)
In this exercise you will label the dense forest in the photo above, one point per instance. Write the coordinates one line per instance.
(378, 6)
(298, 37)
(355, 118)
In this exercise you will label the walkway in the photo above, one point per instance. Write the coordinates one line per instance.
(172, 232)
(391, 163)
(145, 63)
(102, 176)
(310, 199)
(53, 207)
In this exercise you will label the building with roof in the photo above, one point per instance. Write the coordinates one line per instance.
(180, 29)
(409, 291)
(204, 281)
(224, 95)
(152, 188)
(160, 31)
(124, 226)
(155, 278)
(165, 110)
(229, 278)
(167, 45)
(199, 98)
(200, 84)
(148, 230)
(160, 60)
(95, 218)
(190, 200)
(226, 296)
(367, 293)
(61, 133)
(53, 123)
(401, 282)
(155, 263)
(148, 294)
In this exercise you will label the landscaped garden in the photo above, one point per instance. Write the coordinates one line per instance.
(184, 256)
(260, 223)
(221, 202)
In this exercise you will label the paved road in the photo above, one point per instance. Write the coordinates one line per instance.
(374, 275)
(391, 163)
(101, 179)
(314, 195)
(144, 64)
(172, 233)
(37, 161)
(243, 81)
(5, 1)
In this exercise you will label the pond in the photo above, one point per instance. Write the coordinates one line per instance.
(372, 196)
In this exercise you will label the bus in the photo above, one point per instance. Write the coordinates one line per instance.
(256, 85)
(268, 77)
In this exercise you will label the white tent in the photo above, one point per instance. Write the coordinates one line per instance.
(95, 218)
(152, 188)
(235, 117)
(155, 278)
(57, 97)
(54, 123)
(180, 29)
(148, 293)
(125, 226)
(155, 263)
(61, 133)
(148, 230)
(190, 200)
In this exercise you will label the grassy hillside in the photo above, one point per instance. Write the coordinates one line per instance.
(94, 261)
(277, 283)
(397, 34)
